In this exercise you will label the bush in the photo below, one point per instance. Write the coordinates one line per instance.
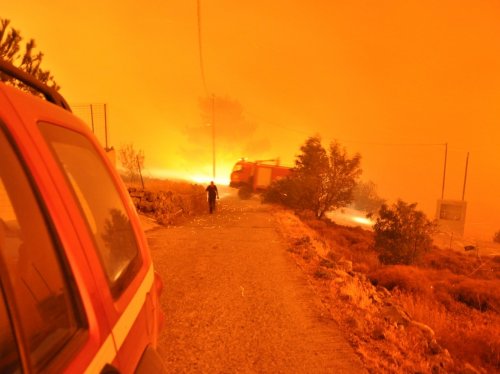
(456, 262)
(454, 293)
(352, 243)
(245, 192)
(480, 345)
(322, 274)
(132, 161)
(462, 264)
(281, 191)
(478, 294)
(496, 237)
(472, 336)
(404, 278)
(402, 234)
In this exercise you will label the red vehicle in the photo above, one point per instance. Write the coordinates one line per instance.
(78, 292)
(258, 175)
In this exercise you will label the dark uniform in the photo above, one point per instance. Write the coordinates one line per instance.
(212, 195)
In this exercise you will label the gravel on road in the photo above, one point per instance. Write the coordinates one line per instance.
(235, 302)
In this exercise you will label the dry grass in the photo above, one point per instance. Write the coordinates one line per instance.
(456, 294)
(401, 277)
(463, 263)
(482, 295)
(351, 243)
(468, 334)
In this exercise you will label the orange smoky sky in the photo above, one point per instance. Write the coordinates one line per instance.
(392, 80)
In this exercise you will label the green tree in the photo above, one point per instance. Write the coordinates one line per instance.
(26, 59)
(321, 180)
(310, 176)
(402, 233)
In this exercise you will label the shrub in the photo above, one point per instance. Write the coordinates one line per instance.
(402, 233)
(326, 263)
(402, 277)
(462, 264)
(352, 243)
(132, 161)
(365, 262)
(496, 237)
(282, 191)
(457, 295)
(322, 273)
(478, 294)
(456, 262)
(474, 337)
(245, 192)
(480, 345)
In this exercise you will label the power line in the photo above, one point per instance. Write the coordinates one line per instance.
(385, 144)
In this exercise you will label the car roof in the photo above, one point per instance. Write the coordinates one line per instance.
(50, 94)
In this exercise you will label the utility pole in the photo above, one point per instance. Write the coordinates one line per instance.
(213, 136)
(465, 177)
(106, 127)
(444, 171)
(92, 118)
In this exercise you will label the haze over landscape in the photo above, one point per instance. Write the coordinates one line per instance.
(394, 81)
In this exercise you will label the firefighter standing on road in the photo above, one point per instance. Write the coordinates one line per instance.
(212, 193)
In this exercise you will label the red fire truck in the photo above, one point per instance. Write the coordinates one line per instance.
(257, 175)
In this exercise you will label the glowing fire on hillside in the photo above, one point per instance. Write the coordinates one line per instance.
(351, 217)
(362, 220)
(201, 177)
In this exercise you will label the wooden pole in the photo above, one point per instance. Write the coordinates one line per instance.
(465, 177)
(444, 171)
(106, 127)
(213, 136)
(140, 172)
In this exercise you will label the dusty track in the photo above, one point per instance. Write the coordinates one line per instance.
(236, 303)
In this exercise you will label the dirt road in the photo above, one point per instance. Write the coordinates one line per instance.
(236, 303)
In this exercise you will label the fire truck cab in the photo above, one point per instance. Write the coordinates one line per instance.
(257, 175)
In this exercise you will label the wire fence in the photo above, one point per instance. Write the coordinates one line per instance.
(96, 117)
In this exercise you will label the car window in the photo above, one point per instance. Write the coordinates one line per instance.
(43, 300)
(100, 202)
